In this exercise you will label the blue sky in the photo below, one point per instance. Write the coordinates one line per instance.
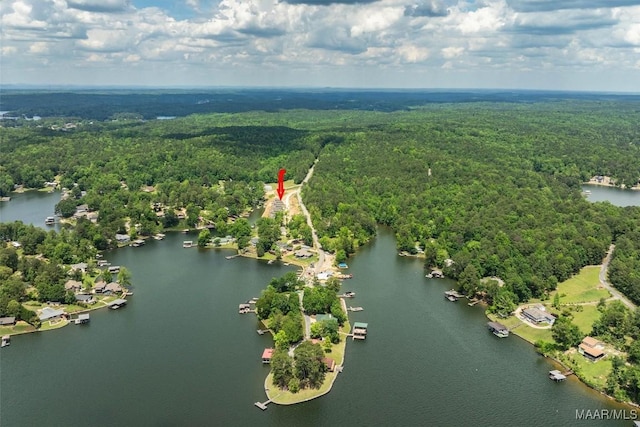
(511, 44)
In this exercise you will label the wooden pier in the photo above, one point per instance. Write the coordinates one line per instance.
(232, 256)
(262, 405)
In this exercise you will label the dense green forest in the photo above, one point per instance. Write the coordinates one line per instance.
(492, 187)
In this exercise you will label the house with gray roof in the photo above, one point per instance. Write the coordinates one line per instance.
(49, 313)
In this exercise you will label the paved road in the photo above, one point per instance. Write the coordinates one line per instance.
(603, 280)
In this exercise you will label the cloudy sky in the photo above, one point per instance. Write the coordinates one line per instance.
(536, 44)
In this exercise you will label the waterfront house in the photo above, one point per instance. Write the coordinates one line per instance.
(99, 286)
(329, 363)
(592, 349)
(360, 330)
(7, 321)
(51, 314)
(122, 238)
(72, 285)
(538, 316)
(303, 254)
(112, 287)
(84, 298)
(267, 354)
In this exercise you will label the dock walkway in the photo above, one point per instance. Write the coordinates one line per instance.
(262, 405)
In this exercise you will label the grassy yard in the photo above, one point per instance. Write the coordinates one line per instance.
(284, 397)
(20, 328)
(594, 374)
(523, 330)
(583, 287)
(584, 319)
(46, 326)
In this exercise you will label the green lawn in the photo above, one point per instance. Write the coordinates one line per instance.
(20, 328)
(46, 326)
(593, 373)
(582, 287)
(523, 330)
(584, 319)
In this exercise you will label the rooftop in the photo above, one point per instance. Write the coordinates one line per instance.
(590, 341)
(49, 313)
(360, 325)
(267, 353)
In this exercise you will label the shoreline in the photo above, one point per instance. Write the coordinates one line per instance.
(558, 362)
(66, 321)
(609, 185)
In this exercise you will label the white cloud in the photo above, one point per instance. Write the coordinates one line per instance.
(342, 39)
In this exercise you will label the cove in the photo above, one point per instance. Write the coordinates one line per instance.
(179, 354)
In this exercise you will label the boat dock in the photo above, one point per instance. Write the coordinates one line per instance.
(558, 376)
(355, 308)
(245, 308)
(262, 331)
(232, 256)
(453, 295)
(347, 295)
(6, 340)
(262, 405)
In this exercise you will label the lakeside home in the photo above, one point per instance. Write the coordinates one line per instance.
(7, 321)
(592, 349)
(537, 315)
(50, 314)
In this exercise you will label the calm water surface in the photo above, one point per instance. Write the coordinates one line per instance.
(614, 195)
(180, 355)
(30, 207)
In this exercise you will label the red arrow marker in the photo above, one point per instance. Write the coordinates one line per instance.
(281, 173)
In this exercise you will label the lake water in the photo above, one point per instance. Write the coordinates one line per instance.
(30, 207)
(180, 355)
(616, 196)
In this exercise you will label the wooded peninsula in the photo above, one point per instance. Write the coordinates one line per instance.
(479, 189)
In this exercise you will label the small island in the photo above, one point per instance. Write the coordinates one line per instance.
(309, 326)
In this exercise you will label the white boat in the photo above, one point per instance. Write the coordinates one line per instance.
(50, 220)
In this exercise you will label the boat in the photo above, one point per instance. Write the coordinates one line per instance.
(355, 308)
(6, 340)
(50, 220)
(159, 236)
(271, 261)
(348, 294)
(587, 191)
(451, 298)
(187, 244)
